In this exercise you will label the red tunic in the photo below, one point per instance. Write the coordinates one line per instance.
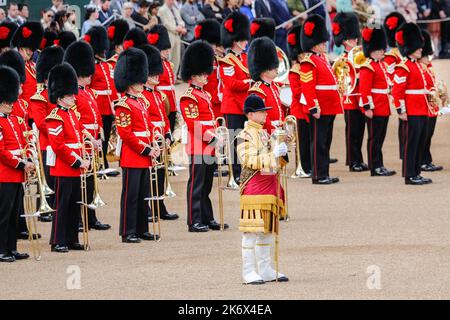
(392, 58)
(91, 118)
(430, 79)
(12, 144)
(296, 88)
(233, 72)
(374, 88)
(30, 85)
(167, 84)
(271, 97)
(103, 86)
(41, 108)
(20, 110)
(196, 107)
(156, 110)
(213, 87)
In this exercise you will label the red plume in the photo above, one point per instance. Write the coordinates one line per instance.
(87, 38)
(392, 23)
(43, 43)
(111, 32)
(56, 42)
(309, 28)
(229, 25)
(198, 31)
(336, 28)
(291, 39)
(399, 38)
(254, 27)
(4, 33)
(367, 34)
(26, 33)
(153, 38)
(128, 44)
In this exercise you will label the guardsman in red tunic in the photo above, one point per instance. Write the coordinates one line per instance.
(296, 109)
(65, 39)
(41, 108)
(135, 145)
(81, 57)
(433, 111)
(346, 33)
(159, 37)
(12, 166)
(7, 30)
(263, 66)
(116, 34)
(200, 119)
(158, 118)
(102, 83)
(410, 98)
(27, 39)
(66, 160)
(320, 96)
(235, 76)
(392, 22)
(375, 98)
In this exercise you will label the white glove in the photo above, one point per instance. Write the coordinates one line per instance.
(280, 150)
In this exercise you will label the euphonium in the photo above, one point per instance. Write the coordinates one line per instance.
(283, 66)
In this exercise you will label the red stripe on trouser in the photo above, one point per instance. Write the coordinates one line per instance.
(405, 159)
(55, 227)
(125, 198)
(192, 189)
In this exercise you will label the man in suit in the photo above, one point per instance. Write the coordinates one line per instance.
(171, 19)
(280, 13)
(191, 16)
(262, 9)
(116, 5)
(320, 10)
(105, 11)
(13, 13)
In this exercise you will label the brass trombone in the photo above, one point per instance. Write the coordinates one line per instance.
(290, 125)
(97, 164)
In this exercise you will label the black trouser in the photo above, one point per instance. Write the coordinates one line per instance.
(107, 126)
(355, 122)
(377, 129)
(50, 182)
(321, 135)
(161, 188)
(401, 137)
(66, 217)
(304, 143)
(134, 209)
(172, 120)
(427, 158)
(92, 218)
(235, 123)
(415, 135)
(11, 200)
(201, 175)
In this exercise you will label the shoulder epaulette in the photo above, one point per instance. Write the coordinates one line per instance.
(226, 60)
(256, 88)
(172, 65)
(54, 115)
(296, 68)
(122, 102)
(147, 103)
(38, 96)
(188, 94)
(163, 96)
(112, 59)
(368, 64)
(307, 59)
(402, 65)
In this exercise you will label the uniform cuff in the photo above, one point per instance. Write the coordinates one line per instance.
(367, 107)
(21, 165)
(146, 151)
(313, 110)
(76, 164)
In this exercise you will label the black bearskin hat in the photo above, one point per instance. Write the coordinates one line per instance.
(262, 56)
(198, 59)
(427, 49)
(136, 37)
(62, 81)
(49, 57)
(131, 68)
(372, 40)
(262, 27)
(29, 35)
(98, 39)
(9, 85)
(117, 31)
(235, 27)
(155, 65)
(208, 30)
(293, 41)
(13, 59)
(48, 39)
(159, 37)
(391, 23)
(7, 30)
(345, 26)
(314, 32)
(409, 38)
(81, 57)
(65, 38)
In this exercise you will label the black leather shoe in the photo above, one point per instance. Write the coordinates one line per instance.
(131, 239)
(24, 236)
(7, 258)
(326, 180)
(47, 218)
(414, 181)
(334, 179)
(60, 249)
(333, 160)
(429, 167)
(198, 227)
(382, 172)
(359, 167)
(426, 180)
(148, 236)
(19, 256)
(437, 168)
(113, 174)
(100, 226)
(76, 247)
(150, 219)
(169, 216)
(214, 225)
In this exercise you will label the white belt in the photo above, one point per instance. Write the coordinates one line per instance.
(326, 87)
(103, 92)
(142, 133)
(165, 88)
(276, 123)
(208, 123)
(93, 126)
(17, 152)
(74, 145)
(159, 124)
(416, 91)
(380, 91)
